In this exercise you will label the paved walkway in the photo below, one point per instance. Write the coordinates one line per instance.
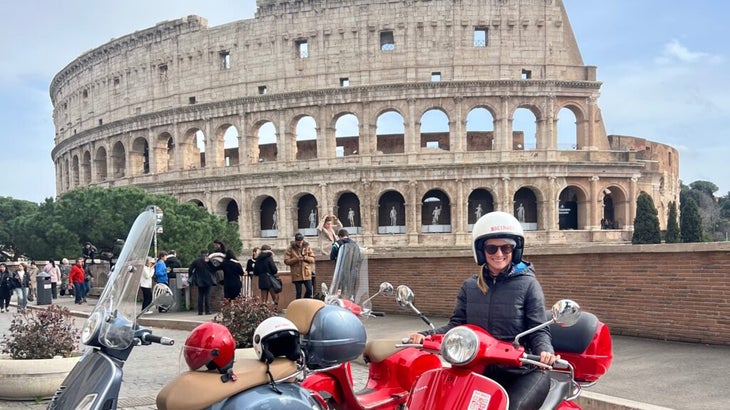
(645, 374)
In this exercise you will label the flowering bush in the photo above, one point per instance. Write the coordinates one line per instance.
(241, 316)
(41, 334)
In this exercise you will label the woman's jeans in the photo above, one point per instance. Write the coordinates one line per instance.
(22, 294)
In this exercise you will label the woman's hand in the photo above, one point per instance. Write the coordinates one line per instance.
(548, 358)
(416, 338)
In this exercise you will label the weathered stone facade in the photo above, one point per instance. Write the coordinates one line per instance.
(317, 107)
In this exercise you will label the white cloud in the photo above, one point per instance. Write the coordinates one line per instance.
(676, 51)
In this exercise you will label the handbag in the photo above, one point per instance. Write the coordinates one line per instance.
(31, 296)
(276, 285)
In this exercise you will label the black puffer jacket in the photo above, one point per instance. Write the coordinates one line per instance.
(265, 264)
(513, 304)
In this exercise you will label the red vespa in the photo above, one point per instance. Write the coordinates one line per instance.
(335, 335)
(583, 342)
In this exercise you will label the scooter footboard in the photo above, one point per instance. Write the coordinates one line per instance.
(449, 388)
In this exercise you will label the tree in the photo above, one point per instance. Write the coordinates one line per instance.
(704, 186)
(646, 223)
(10, 210)
(690, 222)
(102, 216)
(673, 233)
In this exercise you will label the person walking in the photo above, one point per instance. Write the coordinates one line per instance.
(76, 279)
(161, 275)
(299, 256)
(55, 274)
(145, 283)
(266, 270)
(6, 288)
(22, 281)
(201, 275)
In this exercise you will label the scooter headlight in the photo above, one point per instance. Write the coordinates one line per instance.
(459, 345)
(91, 328)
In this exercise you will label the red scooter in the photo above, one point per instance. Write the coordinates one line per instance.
(583, 342)
(392, 370)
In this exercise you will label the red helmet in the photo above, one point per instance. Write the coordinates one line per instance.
(211, 345)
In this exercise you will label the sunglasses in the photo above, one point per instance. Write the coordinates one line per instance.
(492, 249)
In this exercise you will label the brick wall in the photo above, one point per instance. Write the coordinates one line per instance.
(669, 292)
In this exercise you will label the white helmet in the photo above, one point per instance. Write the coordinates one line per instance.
(497, 225)
(274, 337)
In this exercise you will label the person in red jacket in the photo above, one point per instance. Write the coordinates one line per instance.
(76, 277)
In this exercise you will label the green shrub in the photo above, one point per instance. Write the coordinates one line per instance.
(241, 316)
(41, 334)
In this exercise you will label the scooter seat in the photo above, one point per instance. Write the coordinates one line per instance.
(378, 350)
(302, 311)
(193, 390)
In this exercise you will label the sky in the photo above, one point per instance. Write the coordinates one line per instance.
(664, 67)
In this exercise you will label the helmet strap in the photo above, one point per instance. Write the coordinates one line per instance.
(272, 382)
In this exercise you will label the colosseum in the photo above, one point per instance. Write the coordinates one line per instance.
(398, 116)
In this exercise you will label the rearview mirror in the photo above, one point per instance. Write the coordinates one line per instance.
(565, 312)
(404, 296)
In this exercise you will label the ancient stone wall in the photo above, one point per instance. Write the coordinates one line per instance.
(677, 292)
(324, 106)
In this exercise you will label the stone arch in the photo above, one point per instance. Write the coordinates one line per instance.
(227, 139)
(480, 129)
(615, 207)
(305, 137)
(267, 137)
(526, 208)
(100, 164)
(573, 208)
(479, 203)
(348, 212)
(268, 216)
(390, 132)
(194, 144)
(228, 207)
(196, 202)
(75, 171)
(570, 132)
(86, 168)
(139, 156)
(307, 214)
(165, 146)
(526, 128)
(119, 160)
(435, 129)
(435, 212)
(347, 134)
(391, 212)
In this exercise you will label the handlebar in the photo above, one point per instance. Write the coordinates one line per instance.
(535, 359)
(148, 338)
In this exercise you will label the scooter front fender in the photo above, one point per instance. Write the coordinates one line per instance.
(93, 383)
(456, 389)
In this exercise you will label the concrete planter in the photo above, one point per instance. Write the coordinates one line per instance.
(33, 379)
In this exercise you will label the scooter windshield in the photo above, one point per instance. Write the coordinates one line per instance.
(117, 307)
(350, 278)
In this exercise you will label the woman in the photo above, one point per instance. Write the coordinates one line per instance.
(55, 274)
(265, 268)
(65, 269)
(249, 271)
(76, 279)
(328, 233)
(145, 283)
(23, 286)
(6, 288)
(505, 299)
